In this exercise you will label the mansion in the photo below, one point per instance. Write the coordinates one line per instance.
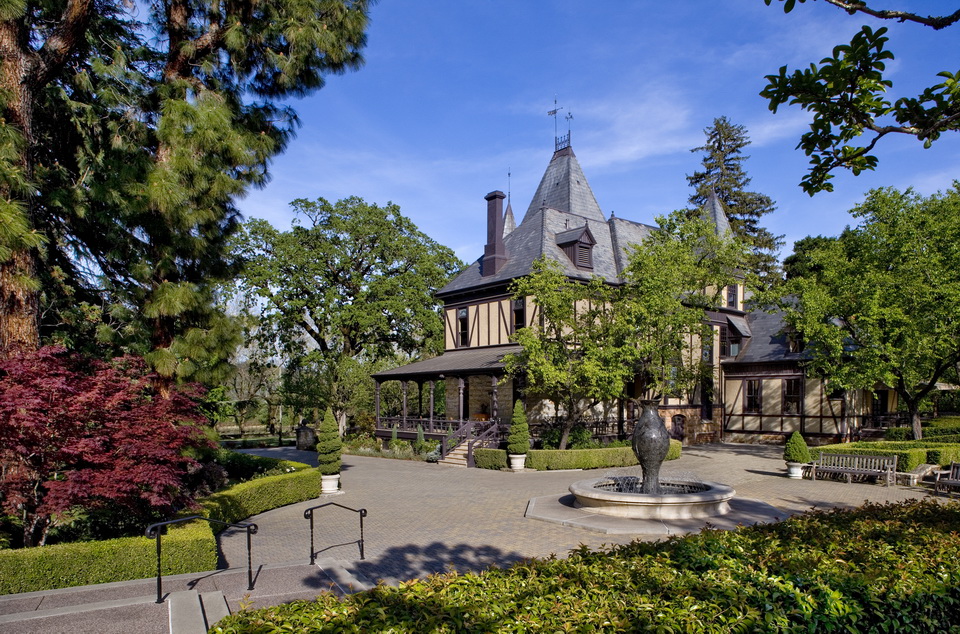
(756, 390)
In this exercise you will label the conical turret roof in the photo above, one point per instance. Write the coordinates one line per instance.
(565, 188)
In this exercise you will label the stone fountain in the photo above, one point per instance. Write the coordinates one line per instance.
(649, 497)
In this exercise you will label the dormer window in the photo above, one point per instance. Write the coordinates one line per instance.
(578, 244)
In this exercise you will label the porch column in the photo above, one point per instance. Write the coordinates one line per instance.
(494, 401)
(376, 401)
(460, 398)
(419, 399)
(431, 405)
(404, 423)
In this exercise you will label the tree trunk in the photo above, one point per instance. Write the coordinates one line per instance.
(19, 305)
(914, 409)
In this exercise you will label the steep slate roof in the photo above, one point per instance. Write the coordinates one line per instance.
(544, 228)
(768, 341)
(713, 210)
(565, 188)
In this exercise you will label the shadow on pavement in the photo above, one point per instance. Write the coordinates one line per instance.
(402, 563)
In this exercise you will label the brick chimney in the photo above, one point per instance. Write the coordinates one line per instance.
(494, 253)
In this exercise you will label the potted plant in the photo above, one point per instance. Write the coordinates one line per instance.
(796, 454)
(518, 440)
(328, 454)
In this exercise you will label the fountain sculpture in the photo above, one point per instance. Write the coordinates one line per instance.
(652, 499)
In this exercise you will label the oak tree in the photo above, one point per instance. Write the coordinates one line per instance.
(354, 281)
(881, 306)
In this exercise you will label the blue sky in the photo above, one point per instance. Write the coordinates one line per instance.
(455, 93)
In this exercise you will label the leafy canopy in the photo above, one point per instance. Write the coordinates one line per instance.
(847, 94)
(881, 304)
(354, 282)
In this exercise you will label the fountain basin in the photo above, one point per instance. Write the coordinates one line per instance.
(679, 500)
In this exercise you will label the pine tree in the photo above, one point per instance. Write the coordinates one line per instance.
(723, 173)
(127, 133)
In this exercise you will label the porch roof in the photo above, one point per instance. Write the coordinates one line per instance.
(466, 362)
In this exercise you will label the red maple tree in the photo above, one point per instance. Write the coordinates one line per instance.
(79, 432)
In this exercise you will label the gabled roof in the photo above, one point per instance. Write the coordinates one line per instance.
(580, 234)
(463, 362)
(565, 188)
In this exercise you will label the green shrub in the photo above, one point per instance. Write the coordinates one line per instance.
(244, 466)
(795, 449)
(256, 496)
(400, 448)
(898, 433)
(555, 459)
(518, 440)
(579, 437)
(880, 568)
(908, 458)
(490, 458)
(424, 447)
(329, 445)
(189, 547)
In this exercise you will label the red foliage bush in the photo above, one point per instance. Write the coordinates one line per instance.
(79, 432)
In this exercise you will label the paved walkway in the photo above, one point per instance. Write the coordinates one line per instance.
(423, 518)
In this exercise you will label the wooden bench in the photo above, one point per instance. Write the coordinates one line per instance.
(948, 480)
(851, 465)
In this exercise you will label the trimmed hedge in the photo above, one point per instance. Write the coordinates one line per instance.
(244, 466)
(555, 459)
(190, 547)
(910, 453)
(880, 568)
(187, 548)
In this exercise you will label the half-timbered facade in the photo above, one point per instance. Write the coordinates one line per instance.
(755, 392)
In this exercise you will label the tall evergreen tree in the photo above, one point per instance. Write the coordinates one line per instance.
(723, 173)
(128, 132)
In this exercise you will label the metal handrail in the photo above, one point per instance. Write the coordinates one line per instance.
(153, 531)
(308, 515)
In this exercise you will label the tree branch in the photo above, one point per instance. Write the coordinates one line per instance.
(62, 41)
(859, 6)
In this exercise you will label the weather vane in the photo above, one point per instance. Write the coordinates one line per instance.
(553, 113)
(559, 142)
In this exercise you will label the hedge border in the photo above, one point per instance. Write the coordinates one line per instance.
(556, 459)
(187, 548)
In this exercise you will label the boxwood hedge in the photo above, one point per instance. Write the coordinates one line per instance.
(190, 547)
(879, 568)
(555, 459)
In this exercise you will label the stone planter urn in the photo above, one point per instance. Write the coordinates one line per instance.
(795, 470)
(517, 461)
(330, 484)
(651, 442)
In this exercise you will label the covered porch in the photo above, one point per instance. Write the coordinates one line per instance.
(471, 382)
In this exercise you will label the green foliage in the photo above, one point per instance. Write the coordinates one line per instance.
(489, 458)
(898, 433)
(187, 548)
(351, 284)
(879, 568)
(518, 440)
(263, 494)
(329, 445)
(244, 466)
(795, 449)
(723, 175)
(884, 304)
(556, 459)
(799, 263)
(125, 157)
(847, 93)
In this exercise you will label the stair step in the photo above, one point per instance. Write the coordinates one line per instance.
(186, 613)
(214, 607)
(346, 578)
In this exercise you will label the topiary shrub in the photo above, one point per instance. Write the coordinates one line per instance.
(518, 440)
(329, 445)
(898, 433)
(795, 449)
